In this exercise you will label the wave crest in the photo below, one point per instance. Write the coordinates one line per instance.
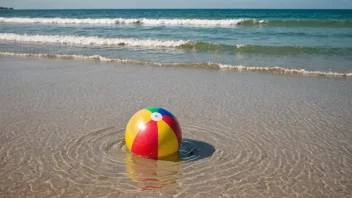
(180, 44)
(91, 40)
(144, 21)
(240, 68)
(181, 22)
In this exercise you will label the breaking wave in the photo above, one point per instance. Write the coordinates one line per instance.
(91, 40)
(143, 21)
(158, 43)
(180, 22)
(240, 68)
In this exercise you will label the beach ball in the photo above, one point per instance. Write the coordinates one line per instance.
(153, 133)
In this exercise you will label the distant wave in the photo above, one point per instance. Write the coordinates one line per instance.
(180, 44)
(274, 70)
(144, 21)
(180, 22)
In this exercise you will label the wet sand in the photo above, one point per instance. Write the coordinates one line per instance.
(246, 134)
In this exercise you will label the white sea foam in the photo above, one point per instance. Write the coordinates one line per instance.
(93, 40)
(282, 70)
(144, 21)
(275, 70)
(240, 45)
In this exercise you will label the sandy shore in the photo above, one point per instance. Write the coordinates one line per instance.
(62, 125)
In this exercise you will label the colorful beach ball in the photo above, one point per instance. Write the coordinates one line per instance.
(153, 133)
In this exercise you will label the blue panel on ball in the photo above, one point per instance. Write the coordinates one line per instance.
(165, 112)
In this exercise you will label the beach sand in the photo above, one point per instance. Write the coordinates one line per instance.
(254, 135)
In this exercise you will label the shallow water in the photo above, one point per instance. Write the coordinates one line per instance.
(245, 134)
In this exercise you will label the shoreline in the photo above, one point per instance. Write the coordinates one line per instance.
(6, 8)
(239, 68)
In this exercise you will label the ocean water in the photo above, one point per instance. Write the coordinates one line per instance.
(300, 42)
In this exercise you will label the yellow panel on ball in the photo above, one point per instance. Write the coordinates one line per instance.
(167, 140)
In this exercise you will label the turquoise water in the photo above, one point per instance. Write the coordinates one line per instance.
(313, 40)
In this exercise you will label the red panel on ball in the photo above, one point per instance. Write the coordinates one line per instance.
(146, 141)
(174, 126)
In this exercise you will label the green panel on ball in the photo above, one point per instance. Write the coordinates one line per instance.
(153, 109)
